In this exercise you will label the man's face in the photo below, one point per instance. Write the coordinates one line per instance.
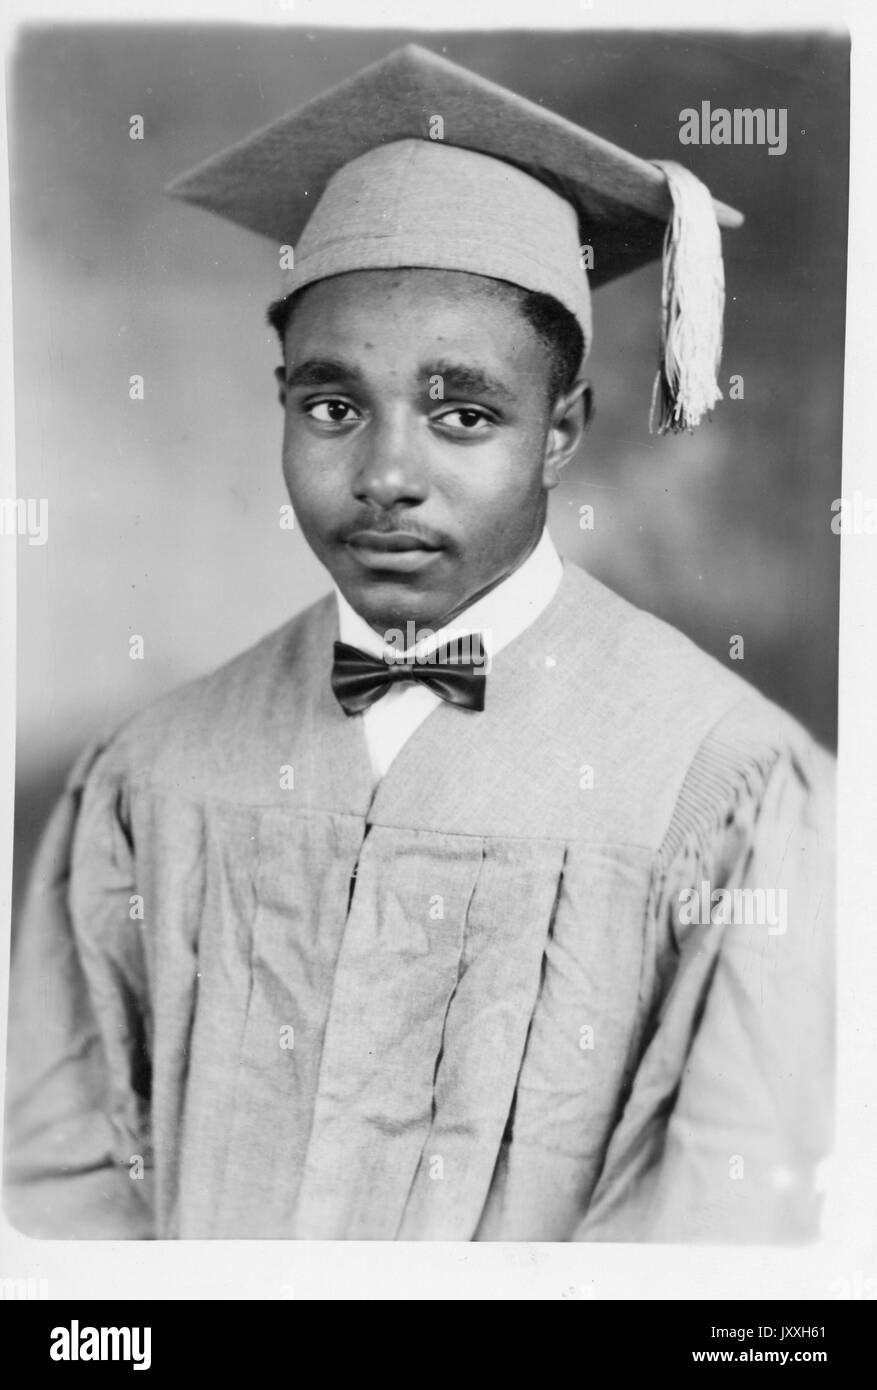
(419, 439)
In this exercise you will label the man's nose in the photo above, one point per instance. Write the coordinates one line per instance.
(391, 469)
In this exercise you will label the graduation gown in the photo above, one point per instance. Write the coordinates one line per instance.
(256, 997)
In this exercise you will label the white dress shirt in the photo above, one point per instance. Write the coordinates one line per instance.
(500, 616)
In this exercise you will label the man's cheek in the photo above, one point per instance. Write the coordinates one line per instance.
(316, 505)
(309, 518)
(316, 527)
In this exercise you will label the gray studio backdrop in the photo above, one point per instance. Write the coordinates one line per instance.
(163, 513)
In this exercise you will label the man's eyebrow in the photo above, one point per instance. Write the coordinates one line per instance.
(322, 371)
(461, 379)
(458, 378)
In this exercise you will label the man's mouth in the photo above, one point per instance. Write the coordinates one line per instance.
(401, 551)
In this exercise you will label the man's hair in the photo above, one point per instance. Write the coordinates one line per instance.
(557, 329)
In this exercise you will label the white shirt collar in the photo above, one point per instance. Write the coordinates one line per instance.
(500, 615)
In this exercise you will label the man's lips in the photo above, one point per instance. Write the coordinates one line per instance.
(402, 551)
(390, 540)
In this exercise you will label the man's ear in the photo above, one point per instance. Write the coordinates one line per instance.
(571, 415)
(280, 378)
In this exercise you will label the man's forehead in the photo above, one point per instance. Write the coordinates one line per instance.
(430, 312)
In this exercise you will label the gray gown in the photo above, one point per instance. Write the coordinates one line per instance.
(257, 997)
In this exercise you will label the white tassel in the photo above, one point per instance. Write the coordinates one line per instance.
(692, 306)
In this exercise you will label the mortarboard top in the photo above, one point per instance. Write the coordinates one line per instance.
(629, 210)
(271, 181)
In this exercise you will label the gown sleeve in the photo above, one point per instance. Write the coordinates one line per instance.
(77, 1160)
(729, 1115)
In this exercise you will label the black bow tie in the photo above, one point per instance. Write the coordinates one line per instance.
(359, 679)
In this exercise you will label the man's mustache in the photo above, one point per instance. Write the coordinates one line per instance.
(396, 526)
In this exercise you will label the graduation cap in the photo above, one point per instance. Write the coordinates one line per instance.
(415, 161)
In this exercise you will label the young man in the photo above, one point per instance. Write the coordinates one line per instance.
(474, 903)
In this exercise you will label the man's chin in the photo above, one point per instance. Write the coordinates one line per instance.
(391, 602)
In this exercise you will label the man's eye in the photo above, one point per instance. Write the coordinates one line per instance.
(331, 412)
(465, 419)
